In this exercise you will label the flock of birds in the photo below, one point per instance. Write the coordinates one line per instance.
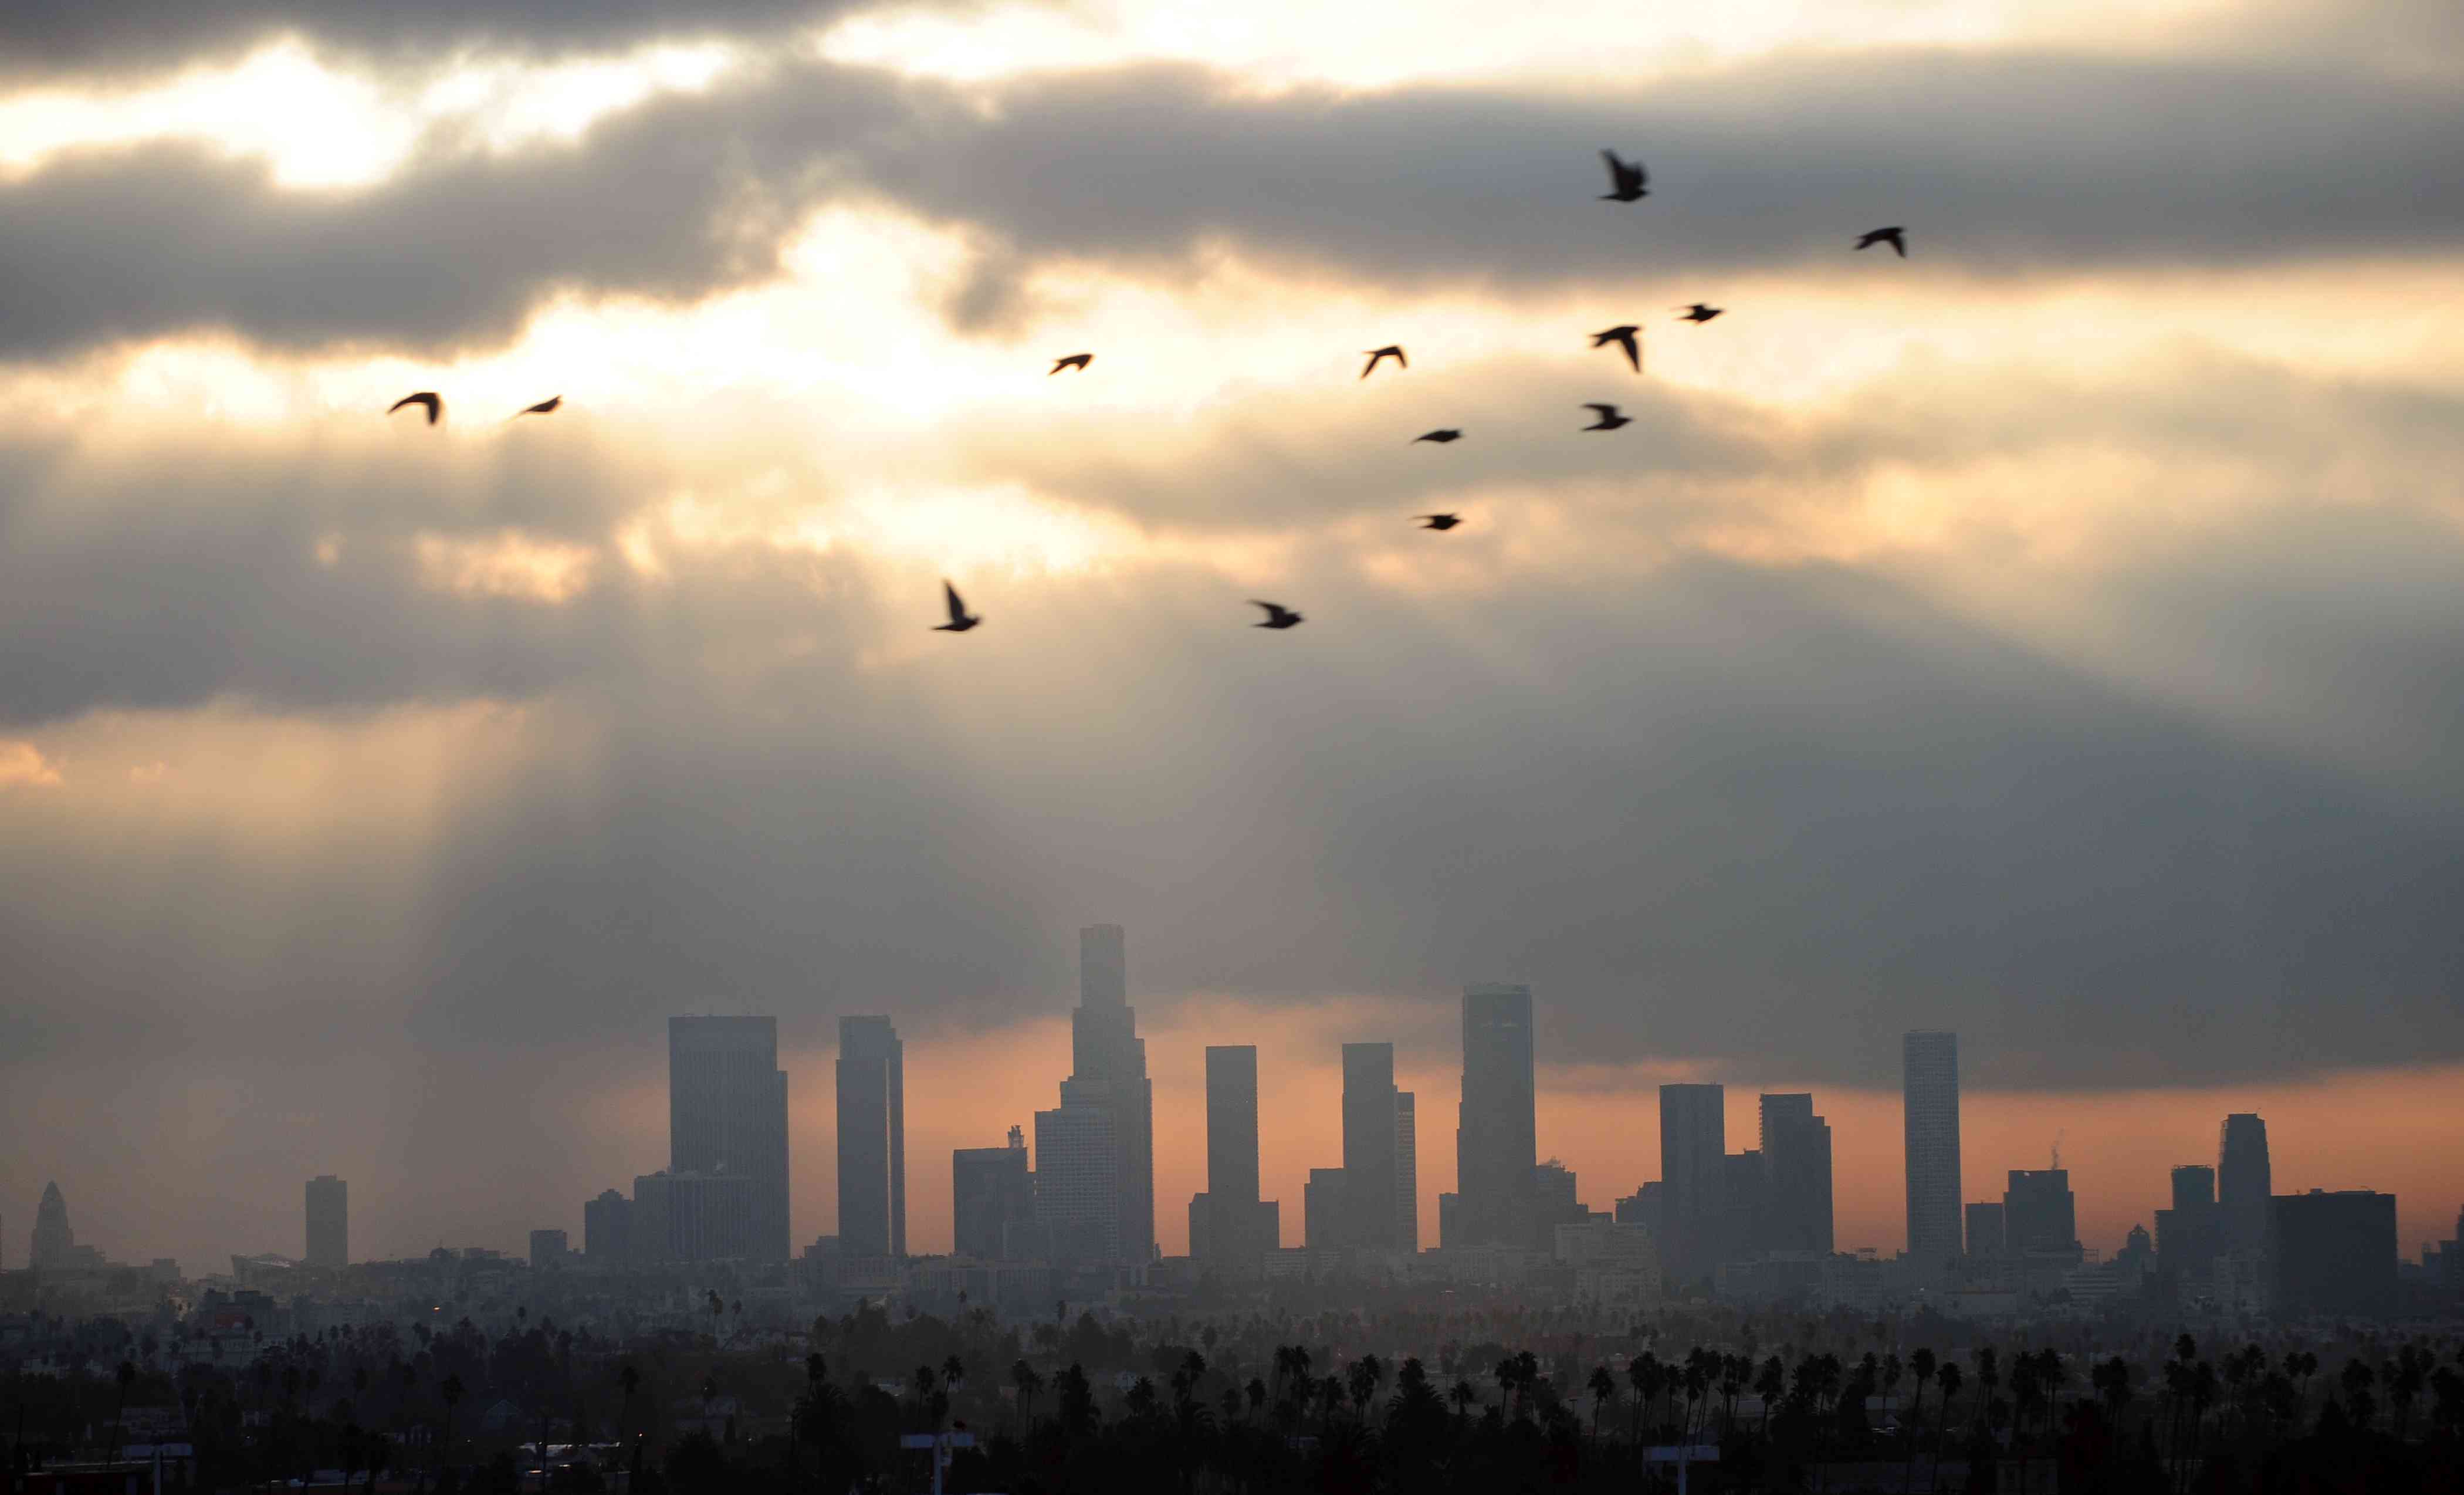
(1628, 181)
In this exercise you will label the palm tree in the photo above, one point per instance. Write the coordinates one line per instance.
(451, 1394)
(1642, 1373)
(126, 1376)
(1464, 1395)
(1920, 1368)
(1950, 1379)
(1023, 1375)
(1603, 1389)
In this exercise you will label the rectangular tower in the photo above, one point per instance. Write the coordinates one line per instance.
(1078, 1184)
(329, 1222)
(1407, 1172)
(1693, 1167)
(991, 1191)
(1108, 1063)
(1229, 1225)
(1797, 1166)
(2245, 1181)
(727, 1116)
(1497, 1128)
(873, 1138)
(1929, 1110)
(1369, 1171)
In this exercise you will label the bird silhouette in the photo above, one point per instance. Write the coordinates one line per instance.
(1440, 436)
(1610, 419)
(430, 398)
(543, 407)
(1278, 616)
(1895, 237)
(960, 620)
(1625, 179)
(1623, 336)
(1076, 361)
(1698, 312)
(1378, 355)
(1438, 521)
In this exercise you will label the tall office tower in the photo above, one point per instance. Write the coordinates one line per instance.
(1369, 1162)
(1796, 1169)
(608, 1229)
(549, 1249)
(1644, 1207)
(2332, 1254)
(727, 1113)
(1497, 1129)
(2039, 1212)
(2193, 1184)
(1987, 1236)
(1930, 1106)
(329, 1222)
(1693, 1167)
(1108, 1063)
(689, 1217)
(991, 1192)
(1407, 1172)
(1326, 1207)
(54, 1243)
(2244, 1182)
(2187, 1235)
(1228, 1225)
(1745, 1208)
(1078, 1184)
(873, 1138)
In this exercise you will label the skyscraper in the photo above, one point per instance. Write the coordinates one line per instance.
(1228, 1225)
(1987, 1238)
(2244, 1182)
(694, 1217)
(1108, 1063)
(1325, 1208)
(727, 1114)
(2332, 1253)
(873, 1137)
(2039, 1214)
(1078, 1184)
(54, 1243)
(1369, 1176)
(1693, 1171)
(608, 1229)
(991, 1191)
(1796, 1169)
(329, 1222)
(1930, 1106)
(1497, 1128)
(1407, 1172)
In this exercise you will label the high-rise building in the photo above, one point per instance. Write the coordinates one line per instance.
(2039, 1214)
(549, 1249)
(1646, 1206)
(1109, 1073)
(1745, 1208)
(1229, 1226)
(694, 1217)
(2244, 1183)
(1929, 1107)
(1988, 1235)
(873, 1137)
(1796, 1169)
(1325, 1210)
(727, 1114)
(608, 1229)
(2332, 1254)
(1497, 1128)
(1693, 1170)
(1078, 1184)
(2187, 1235)
(1407, 1172)
(329, 1222)
(54, 1243)
(991, 1194)
(1369, 1138)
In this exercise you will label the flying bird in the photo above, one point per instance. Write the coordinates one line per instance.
(1440, 436)
(1895, 237)
(960, 619)
(1438, 521)
(1698, 312)
(1610, 419)
(1390, 350)
(1278, 616)
(1076, 361)
(1623, 336)
(1625, 179)
(543, 407)
(430, 398)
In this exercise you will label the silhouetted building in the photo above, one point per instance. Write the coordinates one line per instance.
(1988, 1236)
(1229, 1226)
(1325, 1210)
(2188, 1235)
(692, 1216)
(1745, 1190)
(727, 1113)
(1693, 1169)
(1369, 1146)
(549, 1249)
(1555, 1199)
(2332, 1254)
(2038, 1212)
(873, 1137)
(1644, 1207)
(329, 1222)
(1110, 1074)
(1796, 1172)
(1407, 1172)
(992, 1192)
(1497, 1125)
(608, 1229)
(2245, 1181)
(56, 1245)
(1929, 1109)
(1078, 1183)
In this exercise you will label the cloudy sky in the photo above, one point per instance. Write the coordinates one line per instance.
(2057, 636)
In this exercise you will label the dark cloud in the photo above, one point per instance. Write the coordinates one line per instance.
(2003, 165)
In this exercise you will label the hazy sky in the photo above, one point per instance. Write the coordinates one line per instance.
(2057, 635)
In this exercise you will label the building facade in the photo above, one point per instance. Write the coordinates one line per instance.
(1693, 1177)
(871, 1137)
(727, 1114)
(1497, 1125)
(1796, 1169)
(1929, 1109)
(992, 1192)
(1109, 1073)
(329, 1222)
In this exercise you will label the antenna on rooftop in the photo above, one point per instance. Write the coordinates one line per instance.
(2057, 1151)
